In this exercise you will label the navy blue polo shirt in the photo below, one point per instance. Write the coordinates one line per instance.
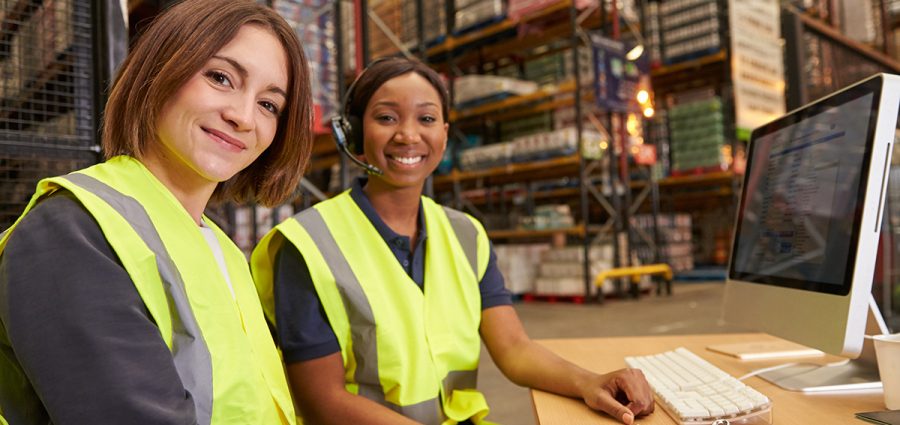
(303, 331)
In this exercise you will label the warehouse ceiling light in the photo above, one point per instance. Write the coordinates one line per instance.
(638, 49)
(635, 52)
(642, 95)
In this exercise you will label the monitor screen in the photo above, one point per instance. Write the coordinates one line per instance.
(808, 223)
(803, 195)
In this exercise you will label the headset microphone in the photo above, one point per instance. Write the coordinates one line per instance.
(338, 125)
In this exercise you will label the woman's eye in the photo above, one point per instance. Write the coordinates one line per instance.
(384, 118)
(269, 106)
(219, 78)
(429, 119)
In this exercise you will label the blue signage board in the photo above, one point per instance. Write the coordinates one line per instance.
(617, 79)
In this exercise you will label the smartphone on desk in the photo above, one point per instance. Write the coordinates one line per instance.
(887, 417)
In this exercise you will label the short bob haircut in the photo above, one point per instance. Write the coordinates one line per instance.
(175, 47)
(379, 72)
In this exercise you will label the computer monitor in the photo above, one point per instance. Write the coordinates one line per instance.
(808, 223)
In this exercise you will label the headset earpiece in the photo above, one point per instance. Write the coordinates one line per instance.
(348, 129)
(353, 130)
(339, 127)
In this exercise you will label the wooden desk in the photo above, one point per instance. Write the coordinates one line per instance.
(606, 354)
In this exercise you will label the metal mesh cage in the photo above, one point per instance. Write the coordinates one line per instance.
(831, 66)
(20, 172)
(46, 96)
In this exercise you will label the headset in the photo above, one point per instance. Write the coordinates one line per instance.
(347, 129)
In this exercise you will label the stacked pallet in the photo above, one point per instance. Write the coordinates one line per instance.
(561, 270)
(675, 240)
(690, 28)
(697, 135)
(530, 147)
(518, 263)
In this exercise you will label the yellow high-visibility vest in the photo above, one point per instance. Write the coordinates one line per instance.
(222, 348)
(412, 351)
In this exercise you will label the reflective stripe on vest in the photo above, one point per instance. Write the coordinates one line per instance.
(191, 355)
(247, 378)
(467, 235)
(362, 320)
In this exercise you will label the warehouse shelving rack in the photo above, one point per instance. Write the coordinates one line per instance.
(469, 48)
(820, 60)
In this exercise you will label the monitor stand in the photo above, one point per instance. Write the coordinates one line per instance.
(857, 374)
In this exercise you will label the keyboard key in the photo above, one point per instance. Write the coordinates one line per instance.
(692, 390)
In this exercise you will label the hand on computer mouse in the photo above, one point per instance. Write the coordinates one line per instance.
(624, 394)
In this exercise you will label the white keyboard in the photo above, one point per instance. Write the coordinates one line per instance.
(694, 392)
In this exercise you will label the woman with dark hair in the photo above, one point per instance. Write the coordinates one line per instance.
(120, 302)
(380, 294)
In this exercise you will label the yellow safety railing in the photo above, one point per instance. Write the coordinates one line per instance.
(635, 273)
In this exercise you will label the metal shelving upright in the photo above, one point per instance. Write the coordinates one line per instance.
(590, 198)
(593, 203)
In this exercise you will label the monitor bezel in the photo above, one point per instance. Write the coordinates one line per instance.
(872, 86)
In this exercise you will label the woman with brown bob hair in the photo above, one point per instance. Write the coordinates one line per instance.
(120, 302)
(135, 102)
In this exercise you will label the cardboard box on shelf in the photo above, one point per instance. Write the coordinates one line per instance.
(470, 88)
(477, 12)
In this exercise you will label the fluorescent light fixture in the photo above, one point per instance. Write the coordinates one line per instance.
(635, 52)
(642, 95)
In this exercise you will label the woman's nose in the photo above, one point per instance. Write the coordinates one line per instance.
(240, 114)
(407, 133)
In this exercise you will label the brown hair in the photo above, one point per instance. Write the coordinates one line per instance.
(175, 46)
(378, 73)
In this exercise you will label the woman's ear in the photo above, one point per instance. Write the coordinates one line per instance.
(446, 134)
